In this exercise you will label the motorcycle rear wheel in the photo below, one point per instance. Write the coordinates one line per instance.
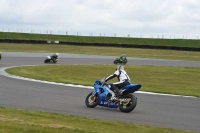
(129, 106)
(91, 101)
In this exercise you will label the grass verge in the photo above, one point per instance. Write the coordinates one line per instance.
(116, 40)
(170, 80)
(110, 51)
(26, 121)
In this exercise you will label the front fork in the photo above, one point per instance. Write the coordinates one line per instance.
(94, 93)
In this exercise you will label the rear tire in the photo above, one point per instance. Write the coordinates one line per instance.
(91, 101)
(128, 107)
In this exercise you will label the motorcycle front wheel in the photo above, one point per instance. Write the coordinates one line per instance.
(91, 101)
(129, 103)
(46, 61)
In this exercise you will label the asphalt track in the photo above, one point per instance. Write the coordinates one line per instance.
(155, 110)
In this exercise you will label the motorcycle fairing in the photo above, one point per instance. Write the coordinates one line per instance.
(103, 94)
(131, 88)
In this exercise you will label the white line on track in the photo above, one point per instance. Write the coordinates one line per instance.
(4, 73)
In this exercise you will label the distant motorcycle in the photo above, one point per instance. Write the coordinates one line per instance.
(101, 95)
(120, 61)
(50, 60)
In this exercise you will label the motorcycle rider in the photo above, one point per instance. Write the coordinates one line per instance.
(122, 58)
(123, 80)
(54, 57)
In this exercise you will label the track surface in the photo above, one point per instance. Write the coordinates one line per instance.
(154, 110)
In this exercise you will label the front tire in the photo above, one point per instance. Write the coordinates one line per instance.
(91, 101)
(46, 61)
(129, 105)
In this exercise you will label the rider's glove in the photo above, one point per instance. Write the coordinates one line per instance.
(103, 81)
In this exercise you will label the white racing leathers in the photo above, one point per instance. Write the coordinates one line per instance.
(123, 80)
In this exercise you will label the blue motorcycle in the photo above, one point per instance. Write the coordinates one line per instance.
(101, 95)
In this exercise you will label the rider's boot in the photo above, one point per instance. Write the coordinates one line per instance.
(113, 97)
(117, 95)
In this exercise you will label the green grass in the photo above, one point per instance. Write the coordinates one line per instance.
(110, 51)
(170, 80)
(117, 40)
(26, 121)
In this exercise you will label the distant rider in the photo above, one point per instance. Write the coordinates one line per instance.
(54, 57)
(123, 80)
(122, 58)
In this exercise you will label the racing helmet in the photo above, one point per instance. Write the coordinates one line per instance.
(57, 54)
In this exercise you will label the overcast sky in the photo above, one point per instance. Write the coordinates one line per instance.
(139, 18)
